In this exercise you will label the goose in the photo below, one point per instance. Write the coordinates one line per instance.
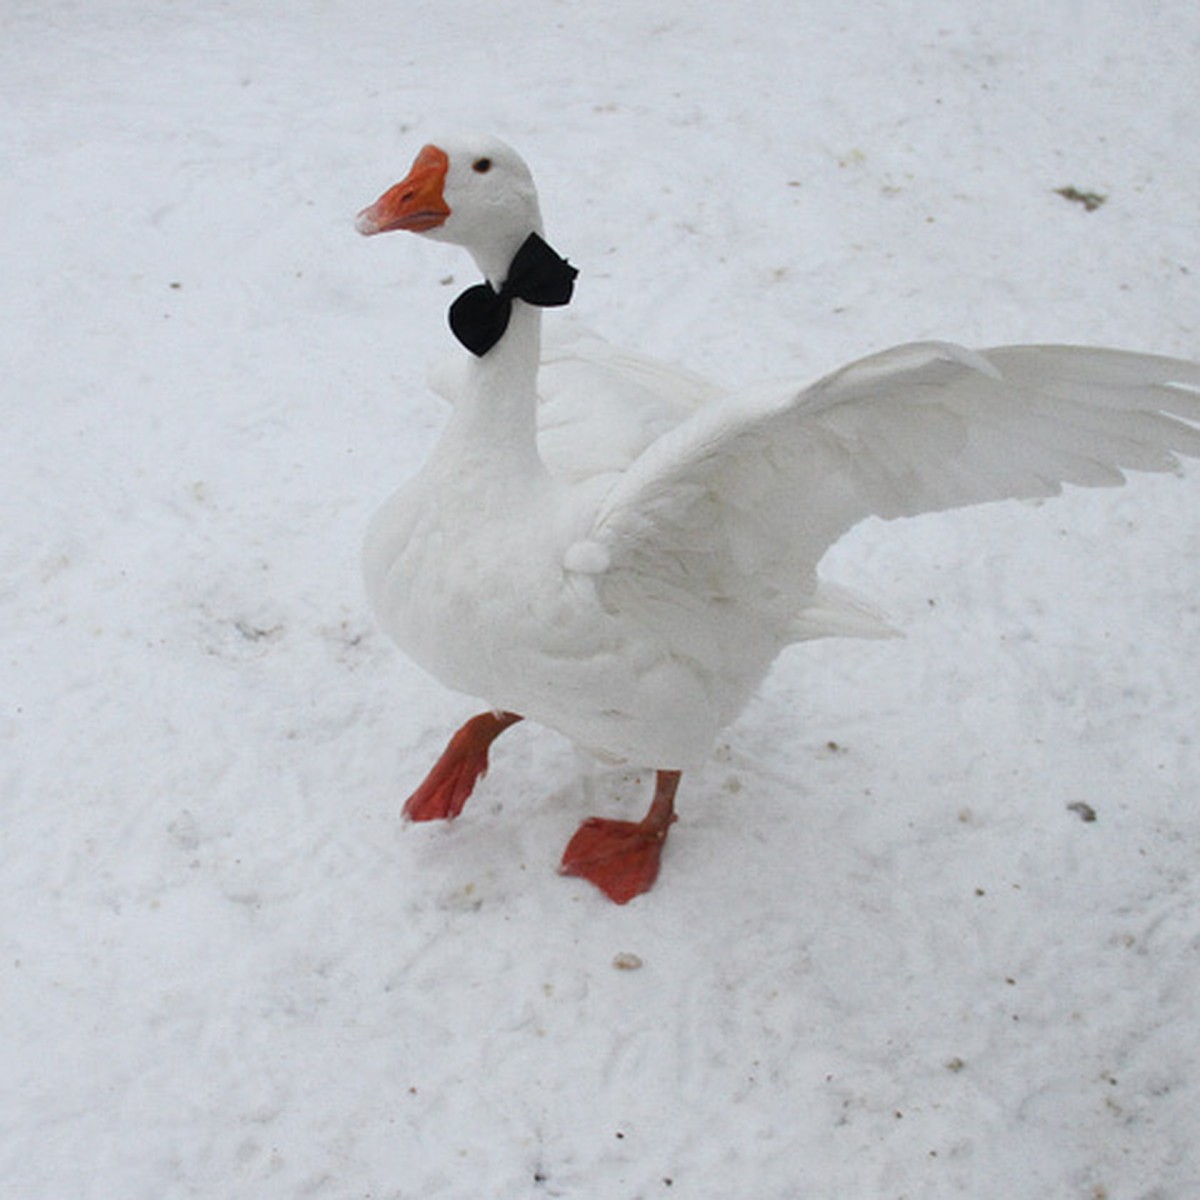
(617, 549)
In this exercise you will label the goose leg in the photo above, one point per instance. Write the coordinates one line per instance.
(622, 857)
(454, 775)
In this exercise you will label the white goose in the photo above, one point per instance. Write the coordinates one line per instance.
(624, 562)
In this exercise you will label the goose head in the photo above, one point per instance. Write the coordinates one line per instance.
(473, 191)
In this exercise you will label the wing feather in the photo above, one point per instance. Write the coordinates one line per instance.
(741, 501)
(602, 406)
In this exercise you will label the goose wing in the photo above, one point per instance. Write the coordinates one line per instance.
(738, 504)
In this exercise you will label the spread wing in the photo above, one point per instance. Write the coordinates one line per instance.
(740, 502)
(601, 406)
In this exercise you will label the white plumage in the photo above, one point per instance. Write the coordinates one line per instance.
(623, 558)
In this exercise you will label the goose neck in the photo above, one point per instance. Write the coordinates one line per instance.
(494, 425)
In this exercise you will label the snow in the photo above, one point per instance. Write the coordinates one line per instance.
(886, 957)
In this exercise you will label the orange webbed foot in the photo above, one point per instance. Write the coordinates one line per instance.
(622, 858)
(463, 763)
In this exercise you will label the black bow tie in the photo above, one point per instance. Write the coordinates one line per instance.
(536, 275)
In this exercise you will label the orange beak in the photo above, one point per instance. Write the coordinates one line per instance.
(416, 203)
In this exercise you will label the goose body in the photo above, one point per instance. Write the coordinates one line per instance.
(473, 569)
(619, 550)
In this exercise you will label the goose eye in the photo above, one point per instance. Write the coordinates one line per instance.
(482, 165)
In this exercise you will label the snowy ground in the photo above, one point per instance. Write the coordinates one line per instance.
(886, 957)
